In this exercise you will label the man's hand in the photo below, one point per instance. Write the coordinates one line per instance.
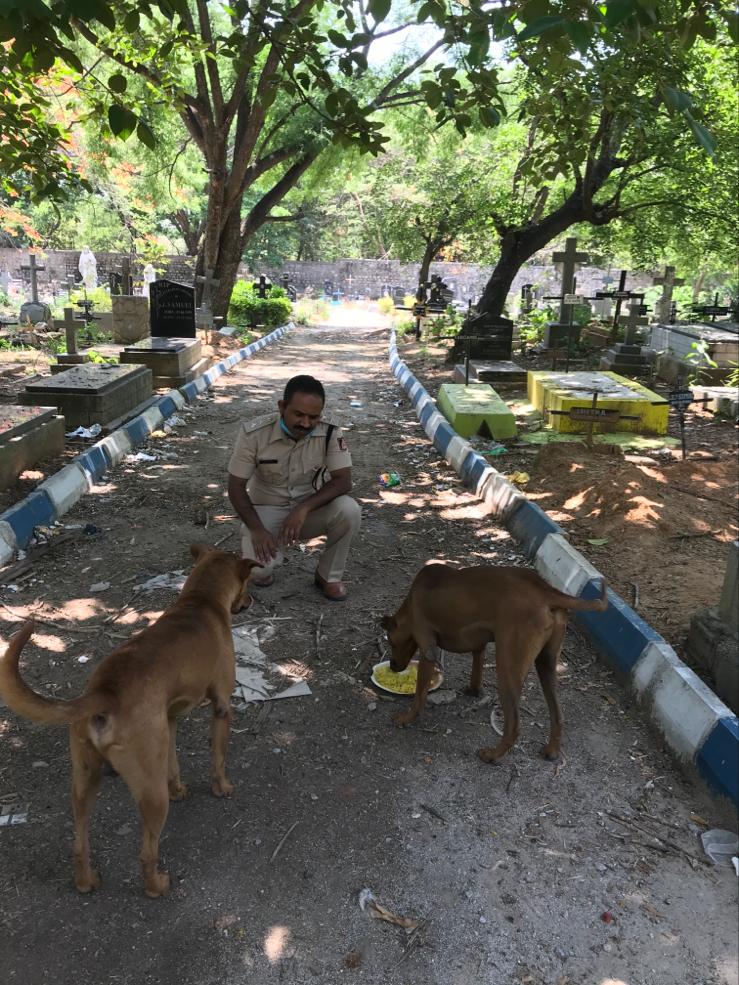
(265, 545)
(293, 524)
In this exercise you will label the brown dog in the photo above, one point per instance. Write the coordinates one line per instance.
(462, 610)
(128, 712)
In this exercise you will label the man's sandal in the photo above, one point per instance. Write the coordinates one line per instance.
(334, 591)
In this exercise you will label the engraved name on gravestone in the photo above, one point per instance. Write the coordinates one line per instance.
(172, 310)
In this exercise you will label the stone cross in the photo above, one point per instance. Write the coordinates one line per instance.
(70, 330)
(569, 258)
(127, 280)
(668, 280)
(208, 281)
(263, 286)
(71, 286)
(31, 265)
(633, 320)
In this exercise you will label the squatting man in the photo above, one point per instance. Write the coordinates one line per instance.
(289, 480)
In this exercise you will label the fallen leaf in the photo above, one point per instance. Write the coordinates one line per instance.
(352, 960)
(377, 911)
(598, 541)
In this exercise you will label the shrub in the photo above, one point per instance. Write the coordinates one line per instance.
(409, 300)
(386, 305)
(311, 312)
(247, 308)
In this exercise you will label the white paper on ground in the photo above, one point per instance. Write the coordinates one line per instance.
(172, 579)
(257, 678)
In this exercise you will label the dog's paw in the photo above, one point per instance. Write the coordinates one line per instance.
(222, 788)
(86, 884)
(156, 885)
(488, 755)
(473, 692)
(178, 792)
(402, 718)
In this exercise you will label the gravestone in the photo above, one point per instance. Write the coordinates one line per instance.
(204, 314)
(630, 357)
(527, 298)
(172, 310)
(288, 288)
(93, 393)
(173, 362)
(130, 318)
(72, 357)
(664, 309)
(27, 435)
(562, 331)
(713, 639)
(34, 311)
(262, 286)
(491, 338)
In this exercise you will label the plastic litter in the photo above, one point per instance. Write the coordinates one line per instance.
(92, 432)
(174, 422)
(721, 847)
(172, 579)
(140, 456)
(388, 480)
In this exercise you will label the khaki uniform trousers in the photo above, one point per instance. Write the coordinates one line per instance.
(338, 520)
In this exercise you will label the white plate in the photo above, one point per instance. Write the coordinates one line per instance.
(438, 679)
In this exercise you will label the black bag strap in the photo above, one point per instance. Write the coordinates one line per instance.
(329, 432)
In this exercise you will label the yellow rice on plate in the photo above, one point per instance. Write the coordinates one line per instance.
(403, 683)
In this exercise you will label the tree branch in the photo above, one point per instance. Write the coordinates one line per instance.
(258, 214)
(210, 62)
(382, 95)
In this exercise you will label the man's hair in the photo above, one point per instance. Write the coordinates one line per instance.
(303, 384)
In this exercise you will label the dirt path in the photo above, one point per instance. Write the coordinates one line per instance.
(521, 873)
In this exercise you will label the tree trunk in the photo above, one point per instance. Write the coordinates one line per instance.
(519, 245)
(423, 274)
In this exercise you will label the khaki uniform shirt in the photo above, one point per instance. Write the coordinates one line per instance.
(276, 469)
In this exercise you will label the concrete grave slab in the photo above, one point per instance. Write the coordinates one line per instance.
(468, 408)
(27, 435)
(93, 393)
(173, 361)
(554, 391)
(497, 372)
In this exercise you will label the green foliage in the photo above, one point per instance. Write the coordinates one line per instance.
(701, 360)
(310, 311)
(532, 325)
(247, 308)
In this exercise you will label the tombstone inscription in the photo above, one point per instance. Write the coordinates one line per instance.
(172, 310)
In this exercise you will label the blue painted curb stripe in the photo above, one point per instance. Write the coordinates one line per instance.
(619, 633)
(530, 525)
(93, 461)
(137, 430)
(37, 509)
(718, 759)
(167, 406)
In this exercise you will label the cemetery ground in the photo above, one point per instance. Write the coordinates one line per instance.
(656, 526)
(587, 871)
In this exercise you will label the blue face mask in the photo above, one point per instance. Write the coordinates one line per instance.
(292, 436)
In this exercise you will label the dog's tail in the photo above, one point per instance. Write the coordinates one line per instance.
(581, 605)
(24, 701)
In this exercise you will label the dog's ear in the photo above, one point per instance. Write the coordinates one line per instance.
(198, 550)
(388, 622)
(245, 567)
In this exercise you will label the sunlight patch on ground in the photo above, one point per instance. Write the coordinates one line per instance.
(48, 642)
(275, 943)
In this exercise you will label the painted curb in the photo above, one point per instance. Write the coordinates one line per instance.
(61, 491)
(696, 724)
